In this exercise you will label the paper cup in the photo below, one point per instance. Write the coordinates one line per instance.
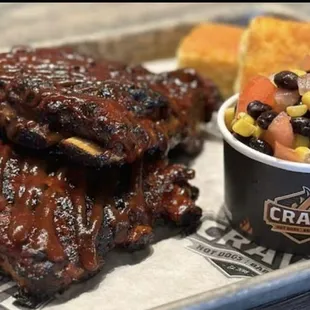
(266, 198)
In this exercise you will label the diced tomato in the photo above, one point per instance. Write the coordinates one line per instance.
(258, 88)
(268, 137)
(280, 130)
(286, 153)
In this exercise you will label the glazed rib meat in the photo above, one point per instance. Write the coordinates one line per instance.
(83, 161)
(99, 113)
(58, 222)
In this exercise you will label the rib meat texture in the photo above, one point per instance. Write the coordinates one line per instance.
(83, 161)
(58, 222)
(100, 113)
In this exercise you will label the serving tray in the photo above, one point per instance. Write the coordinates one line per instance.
(216, 268)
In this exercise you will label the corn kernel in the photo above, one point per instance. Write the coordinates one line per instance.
(297, 110)
(246, 117)
(299, 72)
(229, 117)
(240, 115)
(258, 132)
(301, 141)
(303, 153)
(249, 119)
(305, 99)
(243, 128)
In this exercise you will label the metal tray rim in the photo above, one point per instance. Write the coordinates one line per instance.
(248, 293)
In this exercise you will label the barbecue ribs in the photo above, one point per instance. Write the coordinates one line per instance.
(83, 161)
(99, 113)
(57, 222)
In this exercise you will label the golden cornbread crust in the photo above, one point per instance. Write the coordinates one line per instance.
(212, 49)
(270, 45)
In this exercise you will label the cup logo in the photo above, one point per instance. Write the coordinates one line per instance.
(290, 215)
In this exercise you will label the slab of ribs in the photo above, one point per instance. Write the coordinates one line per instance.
(84, 161)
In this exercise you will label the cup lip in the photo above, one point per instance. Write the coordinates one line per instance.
(251, 153)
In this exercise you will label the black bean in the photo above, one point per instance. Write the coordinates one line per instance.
(256, 108)
(260, 146)
(286, 80)
(244, 140)
(265, 119)
(301, 125)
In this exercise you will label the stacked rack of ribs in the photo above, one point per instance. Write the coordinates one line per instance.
(57, 222)
(98, 113)
(83, 161)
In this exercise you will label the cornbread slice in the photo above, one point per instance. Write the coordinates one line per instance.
(271, 45)
(212, 49)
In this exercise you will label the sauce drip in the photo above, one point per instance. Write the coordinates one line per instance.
(87, 231)
(73, 217)
(44, 219)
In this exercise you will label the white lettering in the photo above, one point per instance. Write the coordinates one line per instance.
(272, 213)
(237, 239)
(288, 215)
(303, 219)
(209, 224)
(266, 254)
(286, 259)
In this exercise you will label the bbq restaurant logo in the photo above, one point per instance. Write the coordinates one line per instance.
(290, 215)
(232, 253)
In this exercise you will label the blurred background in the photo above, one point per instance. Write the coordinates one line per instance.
(33, 22)
(126, 31)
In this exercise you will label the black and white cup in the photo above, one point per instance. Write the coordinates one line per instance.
(266, 198)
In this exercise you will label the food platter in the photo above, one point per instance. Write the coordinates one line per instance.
(201, 271)
(208, 285)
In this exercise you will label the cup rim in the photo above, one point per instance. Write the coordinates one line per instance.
(251, 153)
